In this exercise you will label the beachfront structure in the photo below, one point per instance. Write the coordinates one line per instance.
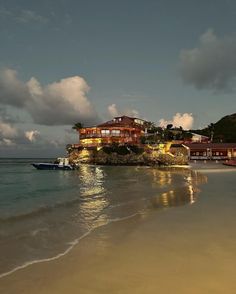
(212, 151)
(196, 138)
(121, 130)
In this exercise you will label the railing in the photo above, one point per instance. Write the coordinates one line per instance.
(88, 136)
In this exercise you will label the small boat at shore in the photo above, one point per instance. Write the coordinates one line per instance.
(230, 162)
(60, 164)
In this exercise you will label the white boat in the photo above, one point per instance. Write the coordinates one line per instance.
(62, 163)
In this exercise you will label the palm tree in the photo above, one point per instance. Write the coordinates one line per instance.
(211, 130)
(77, 126)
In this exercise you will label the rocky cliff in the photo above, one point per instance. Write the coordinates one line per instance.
(146, 157)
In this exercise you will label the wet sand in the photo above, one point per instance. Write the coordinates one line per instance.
(187, 249)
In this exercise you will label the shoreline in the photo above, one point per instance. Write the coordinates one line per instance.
(62, 270)
(76, 242)
(73, 243)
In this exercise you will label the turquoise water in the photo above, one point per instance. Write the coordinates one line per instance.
(45, 213)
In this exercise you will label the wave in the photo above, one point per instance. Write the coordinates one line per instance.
(72, 245)
(39, 211)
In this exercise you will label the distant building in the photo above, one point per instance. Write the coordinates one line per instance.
(120, 130)
(216, 151)
(196, 138)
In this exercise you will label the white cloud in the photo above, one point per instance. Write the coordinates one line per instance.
(6, 142)
(113, 111)
(26, 16)
(184, 120)
(59, 103)
(32, 135)
(7, 130)
(211, 65)
(131, 112)
(22, 16)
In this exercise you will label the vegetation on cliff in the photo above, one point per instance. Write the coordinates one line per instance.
(222, 131)
(126, 155)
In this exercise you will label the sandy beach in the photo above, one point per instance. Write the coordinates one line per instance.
(187, 249)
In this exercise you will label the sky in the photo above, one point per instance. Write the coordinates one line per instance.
(68, 61)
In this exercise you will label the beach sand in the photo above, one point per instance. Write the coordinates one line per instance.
(188, 249)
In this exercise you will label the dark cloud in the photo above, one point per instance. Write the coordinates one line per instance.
(211, 65)
(12, 91)
(60, 103)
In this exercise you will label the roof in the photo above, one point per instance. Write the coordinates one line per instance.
(193, 146)
(121, 121)
(198, 135)
(176, 145)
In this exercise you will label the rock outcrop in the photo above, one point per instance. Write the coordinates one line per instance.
(110, 157)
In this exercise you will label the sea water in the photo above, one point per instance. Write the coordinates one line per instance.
(43, 214)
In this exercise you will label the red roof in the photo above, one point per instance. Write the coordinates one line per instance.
(122, 121)
(193, 146)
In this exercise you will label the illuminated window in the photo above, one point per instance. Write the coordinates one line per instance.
(105, 133)
(138, 121)
(115, 133)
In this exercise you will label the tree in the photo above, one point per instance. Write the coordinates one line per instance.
(169, 126)
(211, 128)
(77, 126)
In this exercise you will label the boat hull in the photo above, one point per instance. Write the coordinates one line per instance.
(51, 166)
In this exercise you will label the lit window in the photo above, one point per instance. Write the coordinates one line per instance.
(105, 133)
(115, 133)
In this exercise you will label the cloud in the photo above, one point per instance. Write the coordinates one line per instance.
(11, 135)
(113, 111)
(12, 90)
(8, 133)
(26, 16)
(22, 16)
(7, 130)
(211, 65)
(184, 120)
(32, 135)
(16, 141)
(6, 142)
(60, 103)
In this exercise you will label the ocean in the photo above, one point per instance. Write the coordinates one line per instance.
(44, 214)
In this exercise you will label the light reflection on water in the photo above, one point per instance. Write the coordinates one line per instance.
(98, 195)
(136, 189)
(175, 195)
(93, 196)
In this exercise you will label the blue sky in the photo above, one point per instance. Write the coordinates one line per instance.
(67, 61)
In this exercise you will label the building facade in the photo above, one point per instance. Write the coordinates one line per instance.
(212, 151)
(121, 130)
